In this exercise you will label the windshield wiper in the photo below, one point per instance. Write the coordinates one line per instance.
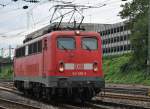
(62, 46)
(87, 47)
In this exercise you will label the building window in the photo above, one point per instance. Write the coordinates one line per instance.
(109, 50)
(118, 49)
(109, 32)
(112, 40)
(118, 29)
(121, 38)
(103, 50)
(106, 41)
(112, 31)
(128, 47)
(117, 39)
(106, 50)
(103, 42)
(115, 49)
(121, 28)
(109, 41)
(115, 30)
(121, 48)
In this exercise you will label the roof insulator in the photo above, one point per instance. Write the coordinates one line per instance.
(14, 0)
(25, 7)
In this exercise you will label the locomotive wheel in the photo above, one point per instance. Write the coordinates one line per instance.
(48, 94)
(26, 92)
(37, 92)
(86, 94)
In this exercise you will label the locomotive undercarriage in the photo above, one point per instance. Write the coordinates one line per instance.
(38, 90)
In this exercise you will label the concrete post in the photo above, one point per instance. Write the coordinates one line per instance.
(2, 52)
(9, 51)
(148, 60)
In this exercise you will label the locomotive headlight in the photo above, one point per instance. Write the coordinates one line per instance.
(61, 67)
(77, 32)
(95, 67)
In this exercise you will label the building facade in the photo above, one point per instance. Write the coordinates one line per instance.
(115, 37)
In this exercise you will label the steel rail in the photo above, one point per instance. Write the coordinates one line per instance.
(96, 106)
(2, 107)
(125, 96)
(10, 90)
(84, 105)
(114, 105)
(13, 104)
(134, 91)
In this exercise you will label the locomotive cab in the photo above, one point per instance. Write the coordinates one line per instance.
(78, 62)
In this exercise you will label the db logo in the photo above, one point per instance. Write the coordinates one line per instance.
(79, 66)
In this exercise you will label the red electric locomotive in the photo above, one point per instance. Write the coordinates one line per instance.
(60, 63)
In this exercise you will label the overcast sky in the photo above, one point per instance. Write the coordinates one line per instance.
(14, 22)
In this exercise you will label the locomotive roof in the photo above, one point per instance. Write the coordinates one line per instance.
(67, 26)
(41, 37)
(33, 40)
(50, 28)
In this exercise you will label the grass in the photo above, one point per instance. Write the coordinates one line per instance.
(111, 68)
(114, 74)
(6, 72)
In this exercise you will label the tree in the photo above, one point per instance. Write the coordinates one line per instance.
(137, 14)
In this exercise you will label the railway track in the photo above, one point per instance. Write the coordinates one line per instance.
(7, 84)
(126, 96)
(8, 104)
(113, 105)
(98, 104)
(111, 89)
(133, 91)
(10, 90)
(85, 105)
(2, 107)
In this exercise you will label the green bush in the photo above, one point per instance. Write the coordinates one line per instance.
(120, 70)
(6, 72)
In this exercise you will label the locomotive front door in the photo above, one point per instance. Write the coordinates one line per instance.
(44, 57)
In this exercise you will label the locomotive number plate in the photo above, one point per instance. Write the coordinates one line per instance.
(79, 73)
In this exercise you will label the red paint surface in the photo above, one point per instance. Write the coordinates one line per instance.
(47, 62)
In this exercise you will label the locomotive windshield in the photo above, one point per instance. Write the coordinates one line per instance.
(89, 43)
(66, 43)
